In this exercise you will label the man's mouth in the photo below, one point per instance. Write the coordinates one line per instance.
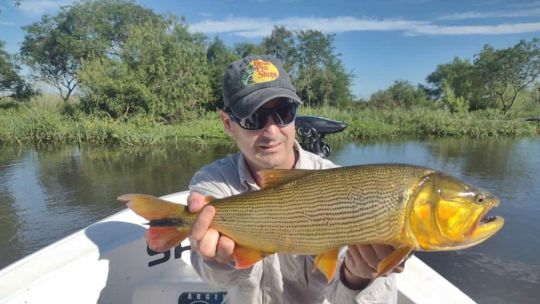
(270, 146)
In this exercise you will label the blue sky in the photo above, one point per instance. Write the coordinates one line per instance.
(379, 41)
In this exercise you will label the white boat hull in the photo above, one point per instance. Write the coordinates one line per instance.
(109, 262)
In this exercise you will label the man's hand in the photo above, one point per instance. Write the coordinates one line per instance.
(361, 262)
(205, 240)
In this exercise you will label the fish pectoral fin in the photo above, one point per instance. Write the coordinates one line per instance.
(393, 260)
(246, 257)
(276, 177)
(327, 263)
(163, 238)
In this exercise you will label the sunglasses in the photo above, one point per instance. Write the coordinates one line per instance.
(282, 115)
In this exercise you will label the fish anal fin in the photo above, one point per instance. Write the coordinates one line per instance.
(246, 257)
(163, 238)
(327, 263)
(393, 260)
(276, 177)
(151, 207)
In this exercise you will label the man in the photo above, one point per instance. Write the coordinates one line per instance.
(260, 106)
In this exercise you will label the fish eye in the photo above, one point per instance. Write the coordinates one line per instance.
(480, 199)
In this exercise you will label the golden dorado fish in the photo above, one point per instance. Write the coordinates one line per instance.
(316, 212)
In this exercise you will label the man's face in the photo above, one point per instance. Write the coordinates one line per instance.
(270, 147)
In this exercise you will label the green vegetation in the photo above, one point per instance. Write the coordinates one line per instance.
(128, 75)
(46, 120)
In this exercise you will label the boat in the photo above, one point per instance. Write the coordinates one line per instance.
(109, 262)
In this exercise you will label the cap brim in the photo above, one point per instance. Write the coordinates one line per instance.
(251, 102)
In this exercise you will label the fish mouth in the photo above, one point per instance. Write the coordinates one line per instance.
(486, 226)
(486, 219)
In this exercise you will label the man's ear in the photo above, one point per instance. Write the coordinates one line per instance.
(227, 122)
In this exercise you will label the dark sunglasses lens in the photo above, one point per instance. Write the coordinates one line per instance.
(282, 115)
(253, 122)
(285, 114)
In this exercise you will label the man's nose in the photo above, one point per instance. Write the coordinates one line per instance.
(271, 127)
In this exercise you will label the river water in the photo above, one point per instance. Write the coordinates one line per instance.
(49, 193)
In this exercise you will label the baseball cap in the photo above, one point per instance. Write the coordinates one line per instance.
(253, 80)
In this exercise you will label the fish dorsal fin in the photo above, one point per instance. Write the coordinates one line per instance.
(276, 177)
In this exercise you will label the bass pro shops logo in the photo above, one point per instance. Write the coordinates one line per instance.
(259, 71)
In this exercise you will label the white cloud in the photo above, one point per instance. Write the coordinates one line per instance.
(7, 23)
(260, 27)
(500, 29)
(533, 12)
(39, 7)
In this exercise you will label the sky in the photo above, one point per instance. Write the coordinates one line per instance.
(378, 41)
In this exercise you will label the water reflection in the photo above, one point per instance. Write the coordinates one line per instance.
(48, 193)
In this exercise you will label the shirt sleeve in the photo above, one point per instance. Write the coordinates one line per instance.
(215, 273)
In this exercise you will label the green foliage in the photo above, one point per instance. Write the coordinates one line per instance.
(245, 48)
(371, 123)
(11, 83)
(218, 57)
(56, 46)
(282, 44)
(496, 79)
(160, 71)
(503, 74)
(456, 74)
(453, 102)
(401, 94)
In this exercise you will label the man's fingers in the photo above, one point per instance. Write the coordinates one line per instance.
(382, 251)
(224, 250)
(369, 255)
(195, 202)
(207, 246)
(202, 223)
(357, 265)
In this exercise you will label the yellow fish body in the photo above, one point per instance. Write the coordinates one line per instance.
(316, 212)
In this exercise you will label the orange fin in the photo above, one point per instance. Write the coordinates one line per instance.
(276, 177)
(151, 207)
(161, 239)
(393, 260)
(246, 257)
(327, 263)
(208, 199)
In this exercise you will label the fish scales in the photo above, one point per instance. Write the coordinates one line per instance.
(412, 208)
(324, 210)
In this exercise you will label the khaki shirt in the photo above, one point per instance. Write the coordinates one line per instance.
(278, 278)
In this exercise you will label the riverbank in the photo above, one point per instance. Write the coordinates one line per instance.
(38, 122)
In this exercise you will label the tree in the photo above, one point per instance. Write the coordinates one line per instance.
(454, 103)
(457, 75)
(11, 84)
(401, 94)
(245, 48)
(318, 74)
(503, 74)
(161, 71)
(218, 57)
(281, 44)
(56, 46)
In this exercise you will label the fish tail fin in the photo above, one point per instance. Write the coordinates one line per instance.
(168, 227)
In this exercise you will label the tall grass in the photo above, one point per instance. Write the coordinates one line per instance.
(48, 121)
(424, 122)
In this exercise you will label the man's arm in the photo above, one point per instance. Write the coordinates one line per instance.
(211, 253)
